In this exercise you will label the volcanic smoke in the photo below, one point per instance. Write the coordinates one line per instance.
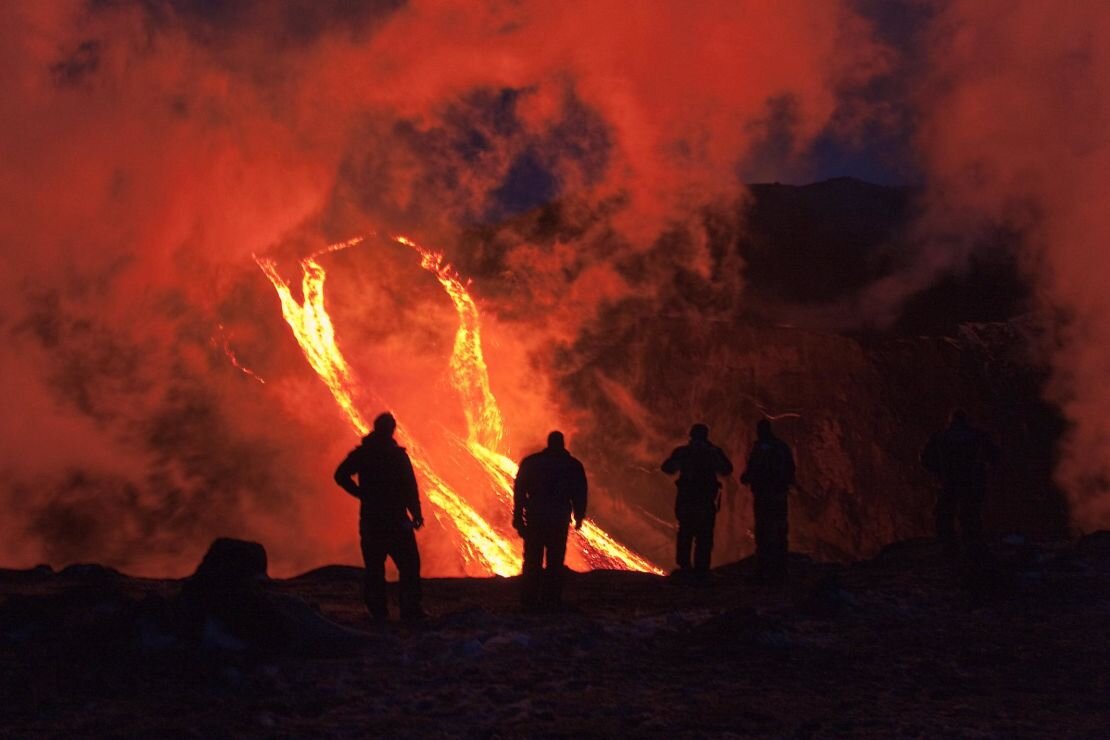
(584, 163)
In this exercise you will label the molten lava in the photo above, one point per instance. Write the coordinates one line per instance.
(485, 546)
(224, 343)
(485, 428)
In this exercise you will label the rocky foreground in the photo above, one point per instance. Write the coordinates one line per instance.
(908, 644)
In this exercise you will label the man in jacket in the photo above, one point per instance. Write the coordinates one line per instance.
(959, 456)
(698, 464)
(388, 515)
(550, 487)
(770, 473)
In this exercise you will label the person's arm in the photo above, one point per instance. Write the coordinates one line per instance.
(412, 493)
(520, 496)
(724, 465)
(745, 479)
(344, 474)
(673, 463)
(581, 493)
(930, 456)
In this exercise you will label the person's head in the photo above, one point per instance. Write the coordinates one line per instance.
(385, 424)
(699, 433)
(763, 430)
(959, 418)
(556, 441)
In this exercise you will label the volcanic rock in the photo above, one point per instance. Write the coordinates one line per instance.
(225, 605)
(231, 563)
(901, 645)
(89, 572)
(1096, 543)
(38, 573)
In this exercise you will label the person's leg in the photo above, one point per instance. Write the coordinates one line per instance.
(406, 556)
(373, 558)
(946, 515)
(971, 521)
(684, 539)
(684, 543)
(764, 539)
(779, 536)
(771, 536)
(703, 540)
(532, 570)
(555, 541)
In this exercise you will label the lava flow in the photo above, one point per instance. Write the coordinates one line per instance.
(485, 428)
(486, 547)
(313, 329)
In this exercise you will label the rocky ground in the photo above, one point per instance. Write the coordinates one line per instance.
(908, 644)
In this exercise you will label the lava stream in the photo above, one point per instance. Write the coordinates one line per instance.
(485, 546)
(314, 332)
(485, 427)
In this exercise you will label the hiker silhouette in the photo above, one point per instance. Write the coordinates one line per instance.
(389, 496)
(698, 464)
(959, 457)
(770, 473)
(550, 486)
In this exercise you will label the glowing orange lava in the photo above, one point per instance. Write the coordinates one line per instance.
(225, 344)
(485, 427)
(486, 546)
(313, 330)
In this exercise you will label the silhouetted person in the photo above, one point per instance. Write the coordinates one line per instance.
(550, 487)
(698, 464)
(387, 489)
(959, 456)
(770, 473)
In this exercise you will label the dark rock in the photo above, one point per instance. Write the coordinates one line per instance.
(90, 572)
(231, 562)
(736, 630)
(331, 574)
(156, 625)
(38, 573)
(76, 622)
(224, 595)
(1096, 543)
(225, 606)
(827, 599)
(912, 551)
(308, 631)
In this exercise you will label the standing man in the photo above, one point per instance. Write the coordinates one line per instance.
(770, 473)
(698, 465)
(387, 489)
(959, 456)
(550, 486)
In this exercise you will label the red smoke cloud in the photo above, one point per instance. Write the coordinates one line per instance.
(151, 148)
(1016, 130)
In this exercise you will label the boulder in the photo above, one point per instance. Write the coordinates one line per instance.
(231, 563)
(225, 596)
(225, 606)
